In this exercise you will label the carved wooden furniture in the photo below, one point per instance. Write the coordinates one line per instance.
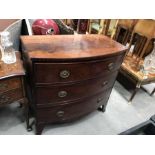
(135, 75)
(70, 76)
(124, 30)
(82, 26)
(145, 30)
(99, 26)
(12, 83)
(133, 61)
(96, 26)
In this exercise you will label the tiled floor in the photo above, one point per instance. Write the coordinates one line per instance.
(118, 117)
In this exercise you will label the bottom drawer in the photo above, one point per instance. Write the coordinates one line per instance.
(11, 96)
(72, 110)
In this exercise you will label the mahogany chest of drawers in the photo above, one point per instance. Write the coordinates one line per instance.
(70, 76)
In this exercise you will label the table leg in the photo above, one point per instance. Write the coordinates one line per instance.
(27, 114)
(135, 91)
(29, 127)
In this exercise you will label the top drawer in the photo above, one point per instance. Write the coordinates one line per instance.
(77, 71)
(9, 84)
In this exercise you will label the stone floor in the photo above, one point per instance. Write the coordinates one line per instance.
(118, 117)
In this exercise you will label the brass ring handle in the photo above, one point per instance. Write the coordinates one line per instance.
(111, 66)
(3, 85)
(62, 93)
(64, 74)
(60, 113)
(104, 83)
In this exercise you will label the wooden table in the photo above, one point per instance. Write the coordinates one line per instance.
(12, 83)
(134, 73)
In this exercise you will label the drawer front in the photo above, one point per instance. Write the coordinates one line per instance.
(10, 83)
(11, 96)
(73, 110)
(62, 93)
(71, 72)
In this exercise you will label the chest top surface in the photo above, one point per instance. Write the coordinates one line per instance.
(70, 46)
(9, 70)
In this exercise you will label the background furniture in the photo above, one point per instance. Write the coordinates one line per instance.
(82, 26)
(74, 23)
(141, 39)
(124, 30)
(99, 26)
(12, 84)
(15, 30)
(68, 82)
(136, 76)
(96, 26)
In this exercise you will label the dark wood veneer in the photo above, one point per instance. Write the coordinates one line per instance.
(11, 96)
(6, 85)
(72, 110)
(70, 76)
(49, 94)
(78, 71)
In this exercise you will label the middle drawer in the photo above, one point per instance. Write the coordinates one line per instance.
(61, 93)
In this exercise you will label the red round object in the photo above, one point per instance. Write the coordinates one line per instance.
(45, 27)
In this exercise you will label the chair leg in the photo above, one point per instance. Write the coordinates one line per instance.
(29, 127)
(152, 92)
(134, 92)
(144, 49)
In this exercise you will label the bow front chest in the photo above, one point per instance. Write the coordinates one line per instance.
(69, 76)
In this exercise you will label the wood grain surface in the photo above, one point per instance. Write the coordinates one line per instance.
(14, 69)
(70, 46)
